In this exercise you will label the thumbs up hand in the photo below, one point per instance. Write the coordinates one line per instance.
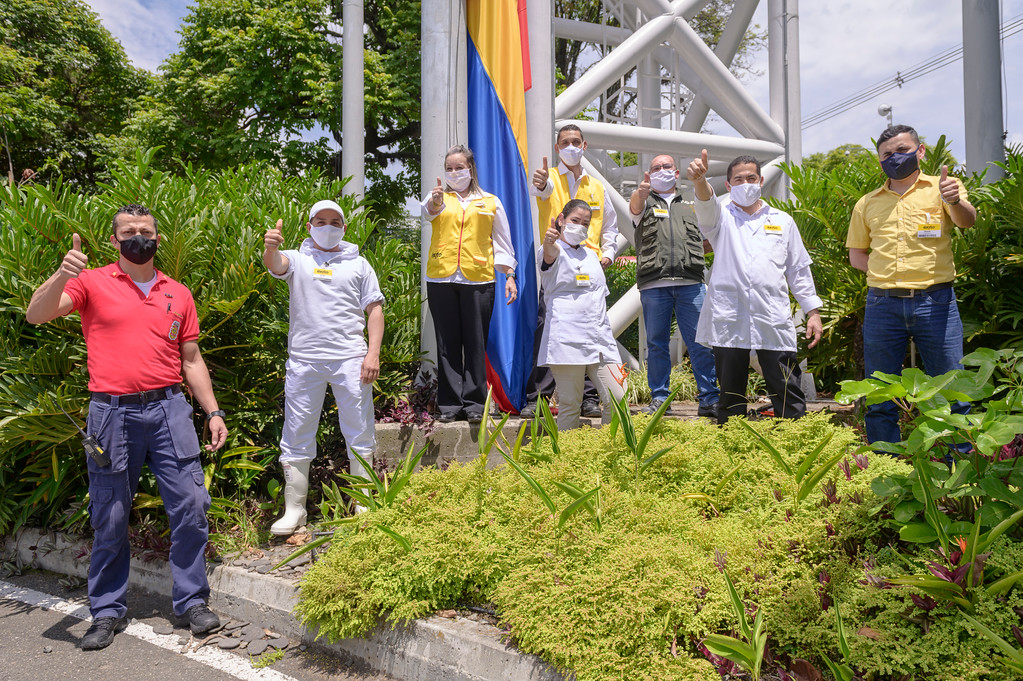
(948, 187)
(437, 195)
(75, 261)
(540, 176)
(644, 187)
(697, 169)
(273, 238)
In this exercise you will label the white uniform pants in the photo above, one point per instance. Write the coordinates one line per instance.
(305, 384)
(607, 378)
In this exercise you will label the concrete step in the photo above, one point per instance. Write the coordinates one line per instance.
(432, 649)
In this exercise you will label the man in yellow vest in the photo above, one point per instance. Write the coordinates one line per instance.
(552, 192)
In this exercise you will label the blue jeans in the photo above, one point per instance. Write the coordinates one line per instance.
(931, 319)
(162, 435)
(685, 302)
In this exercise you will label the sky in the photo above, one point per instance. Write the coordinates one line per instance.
(845, 46)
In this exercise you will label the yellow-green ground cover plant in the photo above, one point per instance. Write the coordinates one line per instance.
(636, 595)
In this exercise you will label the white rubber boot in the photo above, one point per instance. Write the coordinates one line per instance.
(296, 487)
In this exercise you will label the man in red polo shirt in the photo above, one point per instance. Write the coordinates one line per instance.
(140, 331)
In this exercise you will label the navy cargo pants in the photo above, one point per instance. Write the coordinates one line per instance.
(162, 435)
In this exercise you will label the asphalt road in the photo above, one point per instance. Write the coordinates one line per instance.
(42, 620)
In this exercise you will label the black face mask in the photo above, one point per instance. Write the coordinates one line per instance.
(138, 249)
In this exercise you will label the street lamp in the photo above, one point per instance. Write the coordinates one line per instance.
(885, 110)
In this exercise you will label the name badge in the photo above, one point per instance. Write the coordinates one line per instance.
(660, 212)
(582, 280)
(323, 273)
(595, 205)
(928, 230)
(483, 212)
(772, 229)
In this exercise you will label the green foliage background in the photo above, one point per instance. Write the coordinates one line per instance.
(989, 265)
(616, 603)
(212, 225)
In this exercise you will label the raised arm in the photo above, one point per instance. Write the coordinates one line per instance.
(49, 300)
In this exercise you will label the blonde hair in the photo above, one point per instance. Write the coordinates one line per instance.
(470, 160)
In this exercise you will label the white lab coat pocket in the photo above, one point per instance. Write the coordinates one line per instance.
(724, 305)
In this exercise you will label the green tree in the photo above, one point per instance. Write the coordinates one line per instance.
(65, 84)
(837, 157)
(255, 80)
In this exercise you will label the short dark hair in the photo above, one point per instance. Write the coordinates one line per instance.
(570, 127)
(132, 209)
(894, 130)
(741, 160)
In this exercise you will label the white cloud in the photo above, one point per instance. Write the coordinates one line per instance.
(147, 29)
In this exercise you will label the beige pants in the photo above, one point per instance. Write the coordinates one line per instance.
(607, 378)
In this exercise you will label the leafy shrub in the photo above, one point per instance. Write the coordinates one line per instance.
(212, 225)
(634, 597)
(987, 256)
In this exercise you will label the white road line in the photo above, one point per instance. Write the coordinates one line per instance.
(236, 666)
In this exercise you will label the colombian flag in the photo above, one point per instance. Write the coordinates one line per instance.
(498, 74)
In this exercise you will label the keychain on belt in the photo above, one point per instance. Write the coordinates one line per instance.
(90, 443)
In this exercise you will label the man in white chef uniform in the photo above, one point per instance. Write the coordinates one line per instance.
(758, 258)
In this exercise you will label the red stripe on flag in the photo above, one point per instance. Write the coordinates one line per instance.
(500, 399)
(527, 73)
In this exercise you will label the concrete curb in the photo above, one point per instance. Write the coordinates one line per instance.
(434, 649)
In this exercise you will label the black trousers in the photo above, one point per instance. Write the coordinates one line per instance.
(781, 373)
(461, 318)
(541, 380)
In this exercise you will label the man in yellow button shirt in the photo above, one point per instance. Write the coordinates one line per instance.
(900, 235)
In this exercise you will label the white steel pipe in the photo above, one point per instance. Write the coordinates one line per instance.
(353, 99)
(601, 75)
(677, 143)
(443, 121)
(727, 48)
(739, 108)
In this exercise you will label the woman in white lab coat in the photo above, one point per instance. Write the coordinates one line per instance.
(577, 339)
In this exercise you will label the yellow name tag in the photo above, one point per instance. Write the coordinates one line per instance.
(928, 230)
(772, 229)
(594, 205)
(582, 280)
(323, 273)
(660, 212)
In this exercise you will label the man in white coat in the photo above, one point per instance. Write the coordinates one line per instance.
(758, 258)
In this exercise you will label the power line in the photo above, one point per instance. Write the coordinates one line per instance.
(1010, 28)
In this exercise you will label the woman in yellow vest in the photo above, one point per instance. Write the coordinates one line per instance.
(470, 239)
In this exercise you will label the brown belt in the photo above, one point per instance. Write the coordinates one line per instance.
(907, 292)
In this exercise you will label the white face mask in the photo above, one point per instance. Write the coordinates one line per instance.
(663, 181)
(574, 234)
(571, 155)
(745, 195)
(458, 180)
(326, 237)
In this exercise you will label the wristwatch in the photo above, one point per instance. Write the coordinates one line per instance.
(217, 412)
(510, 275)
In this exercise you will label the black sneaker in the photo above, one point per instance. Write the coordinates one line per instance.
(708, 410)
(201, 619)
(528, 411)
(101, 633)
(474, 418)
(591, 409)
(654, 405)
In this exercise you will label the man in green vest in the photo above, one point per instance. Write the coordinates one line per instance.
(552, 191)
(669, 276)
